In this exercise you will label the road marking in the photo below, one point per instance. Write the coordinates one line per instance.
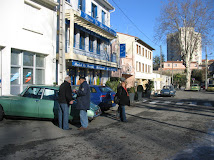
(144, 100)
(208, 104)
(153, 102)
(179, 103)
(167, 102)
(193, 103)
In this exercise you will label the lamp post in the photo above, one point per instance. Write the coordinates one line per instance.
(206, 69)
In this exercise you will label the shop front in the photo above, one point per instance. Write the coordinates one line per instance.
(94, 74)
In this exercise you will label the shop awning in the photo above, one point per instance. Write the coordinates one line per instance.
(88, 22)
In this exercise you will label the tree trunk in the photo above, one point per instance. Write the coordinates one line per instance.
(188, 76)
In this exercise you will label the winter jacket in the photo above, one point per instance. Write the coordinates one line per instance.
(124, 98)
(83, 97)
(65, 93)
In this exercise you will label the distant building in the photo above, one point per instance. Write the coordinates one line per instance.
(177, 66)
(173, 52)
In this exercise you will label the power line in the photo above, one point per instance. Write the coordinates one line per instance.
(133, 23)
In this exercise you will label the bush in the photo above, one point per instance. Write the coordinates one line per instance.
(113, 85)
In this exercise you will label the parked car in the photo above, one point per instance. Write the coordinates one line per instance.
(210, 88)
(168, 91)
(195, 87)
(203, 86)
(38, 102)
(102, 96)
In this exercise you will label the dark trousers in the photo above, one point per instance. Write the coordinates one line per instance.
(121, 110)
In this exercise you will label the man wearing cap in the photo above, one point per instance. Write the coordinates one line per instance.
(83, 102)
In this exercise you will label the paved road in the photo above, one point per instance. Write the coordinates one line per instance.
(155, 131)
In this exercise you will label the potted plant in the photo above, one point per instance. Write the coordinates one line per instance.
(139, 91)
(131, 94)
(149, 87)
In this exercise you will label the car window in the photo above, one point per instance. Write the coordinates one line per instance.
(194, 85)
(105, 89)
(33, 92)
(50, 94)
(211, 85)
(93, 90)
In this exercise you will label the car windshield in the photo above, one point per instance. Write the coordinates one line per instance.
(105, 89)
(194, 85)
(167, 87)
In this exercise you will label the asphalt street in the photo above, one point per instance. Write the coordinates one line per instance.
(160, 128)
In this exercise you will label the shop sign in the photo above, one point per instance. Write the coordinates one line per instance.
(122, 50)
(97, 23)
(92, 66)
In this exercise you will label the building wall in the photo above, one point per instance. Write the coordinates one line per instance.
(30, 27)
(178, 65)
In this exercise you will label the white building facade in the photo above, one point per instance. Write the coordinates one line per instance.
(88, 41)
(27, 44)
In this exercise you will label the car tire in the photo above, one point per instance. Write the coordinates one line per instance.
(1, 113)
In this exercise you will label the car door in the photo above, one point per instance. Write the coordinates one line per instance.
(27, 104)
(95, 95)
(48, 105)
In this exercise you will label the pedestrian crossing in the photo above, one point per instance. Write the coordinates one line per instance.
(167, 102)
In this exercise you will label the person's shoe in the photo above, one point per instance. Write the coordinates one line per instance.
(82, 128)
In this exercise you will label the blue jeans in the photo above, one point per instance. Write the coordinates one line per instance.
(122, 112)
(83, 118)
(63, 114)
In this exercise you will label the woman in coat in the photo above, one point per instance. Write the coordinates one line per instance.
(124, 100)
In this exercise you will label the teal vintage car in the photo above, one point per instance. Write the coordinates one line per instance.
(39, 102)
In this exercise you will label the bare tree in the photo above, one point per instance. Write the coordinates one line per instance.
(192, 22)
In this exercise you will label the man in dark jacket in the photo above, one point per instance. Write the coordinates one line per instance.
(65, 99)
(83, 102)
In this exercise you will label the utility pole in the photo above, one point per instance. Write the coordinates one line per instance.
(161, 85)
(62, 70)
(206, 69)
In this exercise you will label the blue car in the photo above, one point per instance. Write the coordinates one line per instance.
(168, 91)
(101, 95)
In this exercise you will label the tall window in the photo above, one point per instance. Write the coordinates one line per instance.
(103, 17)
(143, 68)
(137, 49)
(75, 34)
(98, 45)
(146, 53)
(81, 5)
(139, 67)
(82, 40)
(143, 51)
(94, 11)
(91, 40)
(140, 50)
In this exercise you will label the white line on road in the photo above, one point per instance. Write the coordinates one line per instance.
(167, 102)
(153, 102)
(179, 103)
(193, 103)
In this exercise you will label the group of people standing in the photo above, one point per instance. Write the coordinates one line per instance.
(83, 102)
(66, 98)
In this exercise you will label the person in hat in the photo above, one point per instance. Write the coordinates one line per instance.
(83, 102)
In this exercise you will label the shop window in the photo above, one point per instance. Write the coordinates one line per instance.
(82, 40)
(94, 11)
(30, 62)
(28, 59)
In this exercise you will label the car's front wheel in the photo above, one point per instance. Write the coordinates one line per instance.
(1, 113)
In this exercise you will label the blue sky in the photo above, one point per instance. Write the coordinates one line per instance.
(143, 14)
